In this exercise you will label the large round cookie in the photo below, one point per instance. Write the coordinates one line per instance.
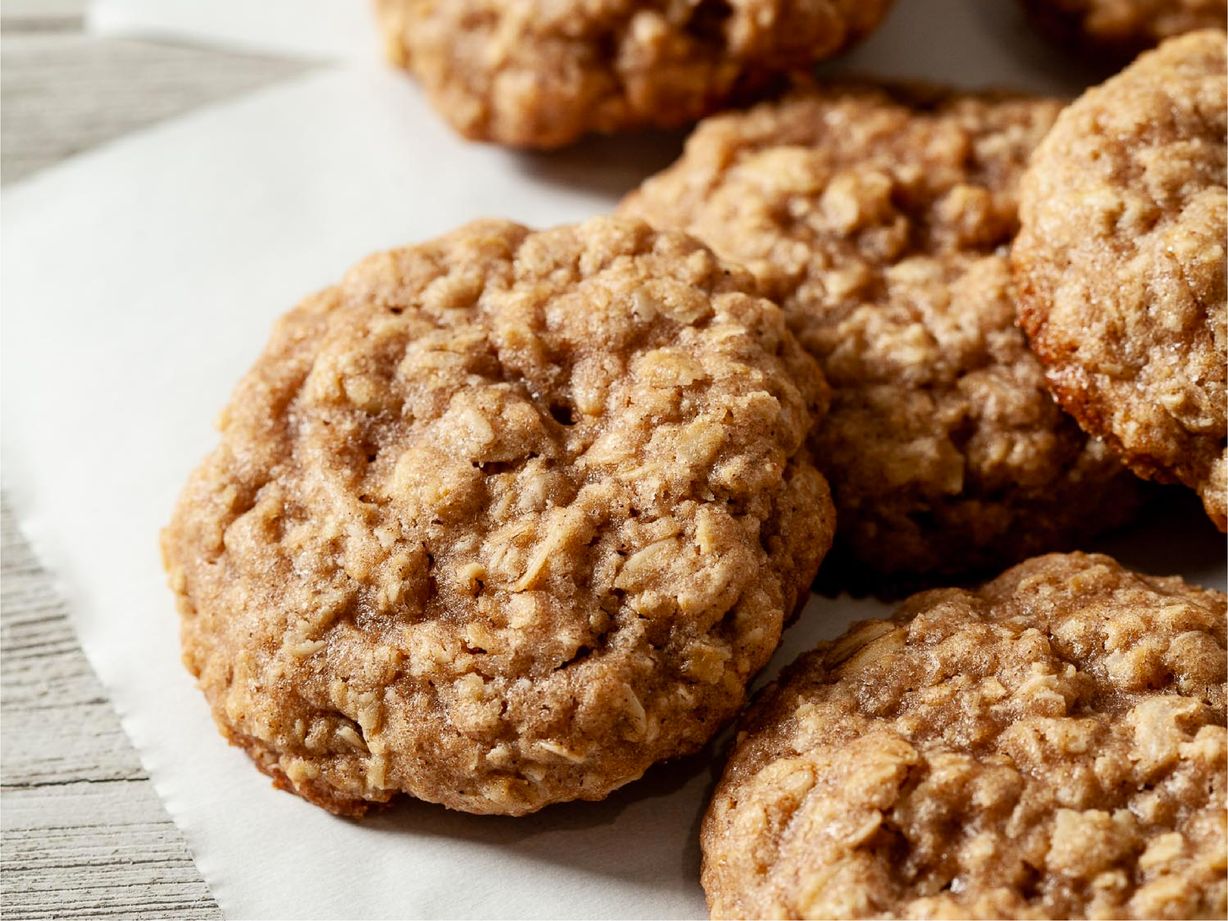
(1120, 264)
(541, 74)
(1049, 746)
(502, 519)
(1125, 27)
(878, 218)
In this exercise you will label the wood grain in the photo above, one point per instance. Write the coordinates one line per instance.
(82, 833)
(64, 92)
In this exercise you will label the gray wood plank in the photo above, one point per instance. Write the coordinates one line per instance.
(63, 92)
(82, 833)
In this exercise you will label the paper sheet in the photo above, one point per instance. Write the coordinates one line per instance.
(139, 282)
(326, 29)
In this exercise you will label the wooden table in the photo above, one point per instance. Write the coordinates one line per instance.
(82, 833)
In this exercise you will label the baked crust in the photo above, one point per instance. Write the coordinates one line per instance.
(879, 217)
(542, 74)
(1051, 745)
(502, 519)
(1120, 264)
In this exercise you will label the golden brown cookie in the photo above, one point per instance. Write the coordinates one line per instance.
(542, 74)
(502, 519)
(1051, 745)
(1120, 264)
(1122, 28)
(879, 219)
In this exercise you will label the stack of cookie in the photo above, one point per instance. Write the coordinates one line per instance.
(505, 518)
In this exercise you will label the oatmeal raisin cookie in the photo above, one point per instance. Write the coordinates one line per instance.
(879, 219)
(1120, 264)
(532, 73)
(502, 519)
(1122, 28)
(1051, 745)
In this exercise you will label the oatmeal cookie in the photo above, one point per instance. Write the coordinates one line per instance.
(1051, 745)
(1122, 28)
(1120, 264)
(502, 519)
(878, 218)
(541, 74)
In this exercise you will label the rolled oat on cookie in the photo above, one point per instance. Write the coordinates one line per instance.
(1120, 264)
(1050, 745)
(879, 219)
(538, 74)
(502, 519)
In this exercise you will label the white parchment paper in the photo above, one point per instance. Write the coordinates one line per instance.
(325, 29)
(138, 283)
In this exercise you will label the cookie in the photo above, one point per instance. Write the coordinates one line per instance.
(1122, 28)
(540, 74)
(879, 219)
(1120, 264)
(502, 519)
(1051, 745)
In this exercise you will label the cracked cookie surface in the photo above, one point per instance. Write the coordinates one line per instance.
(502, 519)
(1120, 264)
(542, 74)
(879, 219)
(1051, 745)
